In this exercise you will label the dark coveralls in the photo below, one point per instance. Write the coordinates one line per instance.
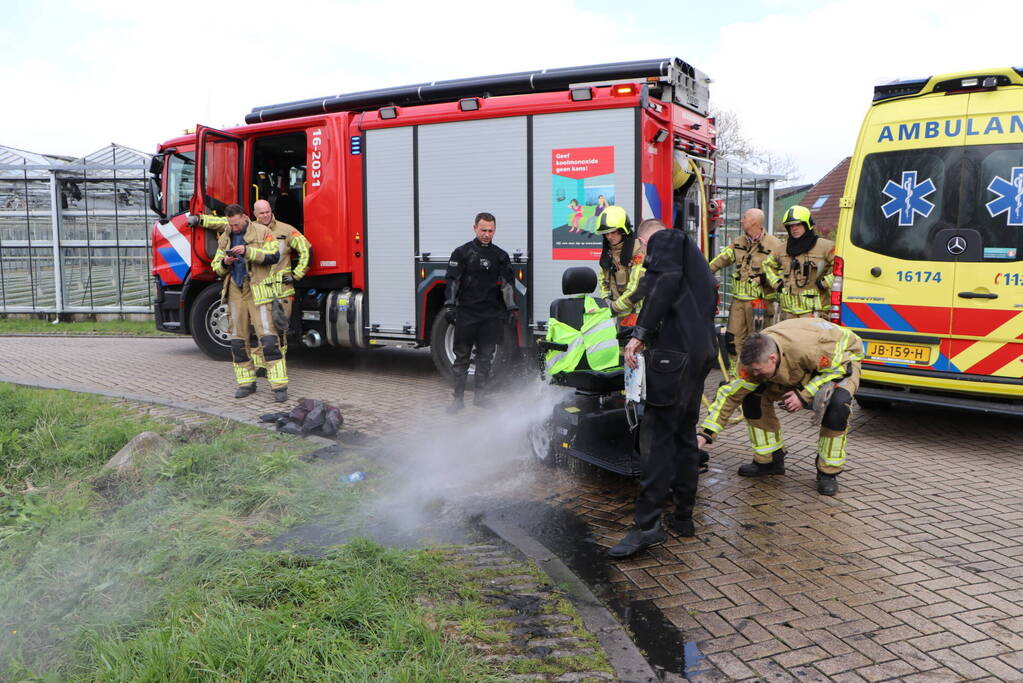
(479, 287)
(677, 324)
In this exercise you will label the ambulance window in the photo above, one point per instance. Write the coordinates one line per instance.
(180, 182)
(992, 201)
(904, 198)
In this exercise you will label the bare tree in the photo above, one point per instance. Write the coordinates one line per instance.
(733, 143)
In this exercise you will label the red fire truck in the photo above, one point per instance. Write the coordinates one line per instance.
(385, 184)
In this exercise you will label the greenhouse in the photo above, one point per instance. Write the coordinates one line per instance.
(74, 233)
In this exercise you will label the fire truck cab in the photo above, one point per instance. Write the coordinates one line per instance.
(385, 184)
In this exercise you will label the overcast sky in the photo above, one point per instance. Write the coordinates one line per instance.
(77, 75)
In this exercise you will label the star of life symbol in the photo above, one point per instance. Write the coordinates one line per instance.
(908, 198)
(1010, 197)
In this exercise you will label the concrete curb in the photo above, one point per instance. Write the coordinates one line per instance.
(153, 400)
(92, 335)
(629, 663)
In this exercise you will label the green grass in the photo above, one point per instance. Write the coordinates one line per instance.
(83, 551)
(350, 616)
(114, 327)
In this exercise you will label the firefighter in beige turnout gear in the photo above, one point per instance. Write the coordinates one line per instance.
(798, 363)
(749, 280)
(621, 264)
(801, 270)
(284, 276)
(245, 255)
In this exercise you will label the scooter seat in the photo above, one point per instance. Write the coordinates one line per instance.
(598, 382)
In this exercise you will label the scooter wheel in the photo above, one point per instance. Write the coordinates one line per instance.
(542, 447)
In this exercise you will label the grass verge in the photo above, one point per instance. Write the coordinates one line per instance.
(156, 574)
(112, 327)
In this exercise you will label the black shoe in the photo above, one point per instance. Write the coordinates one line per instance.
(281, 395)
(244, 390)
(456, 405)
(827, 484)
(260, 372)
(757, 469)
(704, 461)
(481, 400)
(682, 526)
(637, 541)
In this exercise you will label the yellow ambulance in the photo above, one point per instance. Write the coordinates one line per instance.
(930, 243)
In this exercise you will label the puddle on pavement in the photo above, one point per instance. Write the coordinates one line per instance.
(568, 537)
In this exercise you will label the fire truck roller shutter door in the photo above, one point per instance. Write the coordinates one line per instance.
(390, 224)
(466, 167)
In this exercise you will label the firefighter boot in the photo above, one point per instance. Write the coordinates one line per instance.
(479, 394)
(281, 395)
(760, 469)
(827, 484)
(244, 390)
(683, 526)
(457, 402)
(638, 540)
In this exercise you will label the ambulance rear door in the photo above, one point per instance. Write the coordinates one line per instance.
(899, 281)
(987, 319)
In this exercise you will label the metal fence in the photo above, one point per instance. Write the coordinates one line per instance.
(740, 189)
(75, 233)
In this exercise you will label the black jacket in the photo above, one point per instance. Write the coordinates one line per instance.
(480, 282)
(681, 298)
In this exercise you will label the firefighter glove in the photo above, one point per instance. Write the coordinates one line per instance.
(194, 221)
(288, 279)
(450, 315)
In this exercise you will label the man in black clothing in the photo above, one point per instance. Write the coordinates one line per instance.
(677, 322)
(480, 300)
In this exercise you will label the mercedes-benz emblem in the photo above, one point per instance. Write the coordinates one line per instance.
(956, 245)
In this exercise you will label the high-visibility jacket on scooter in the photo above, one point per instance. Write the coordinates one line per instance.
(597, 340)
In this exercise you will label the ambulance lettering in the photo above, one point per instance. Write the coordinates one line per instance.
(952, 128)
(1010, 197)
(908, 198)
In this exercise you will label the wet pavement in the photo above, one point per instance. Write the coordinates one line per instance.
(914, 571)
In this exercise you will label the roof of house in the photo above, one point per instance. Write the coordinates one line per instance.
(783, 192)
(823, 198)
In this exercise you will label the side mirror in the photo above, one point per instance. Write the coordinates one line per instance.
(156, 164)
(155, 198)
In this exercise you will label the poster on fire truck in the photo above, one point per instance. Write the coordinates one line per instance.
(582, 186)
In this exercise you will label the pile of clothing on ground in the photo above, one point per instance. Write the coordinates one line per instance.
(310, 416)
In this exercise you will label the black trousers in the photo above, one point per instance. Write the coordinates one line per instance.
(669, 456)
(485, 335)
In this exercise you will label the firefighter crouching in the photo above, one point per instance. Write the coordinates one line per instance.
(750, 289)
(621, 264)
(801, 270)
(245, 254)
(798, 363)
(479, 302)
(289, 240)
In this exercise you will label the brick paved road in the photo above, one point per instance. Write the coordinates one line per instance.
(913, 572)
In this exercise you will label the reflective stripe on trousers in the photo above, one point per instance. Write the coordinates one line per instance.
(764, 442)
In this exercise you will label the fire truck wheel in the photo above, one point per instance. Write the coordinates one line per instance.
(208, 322)
(442, 347)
